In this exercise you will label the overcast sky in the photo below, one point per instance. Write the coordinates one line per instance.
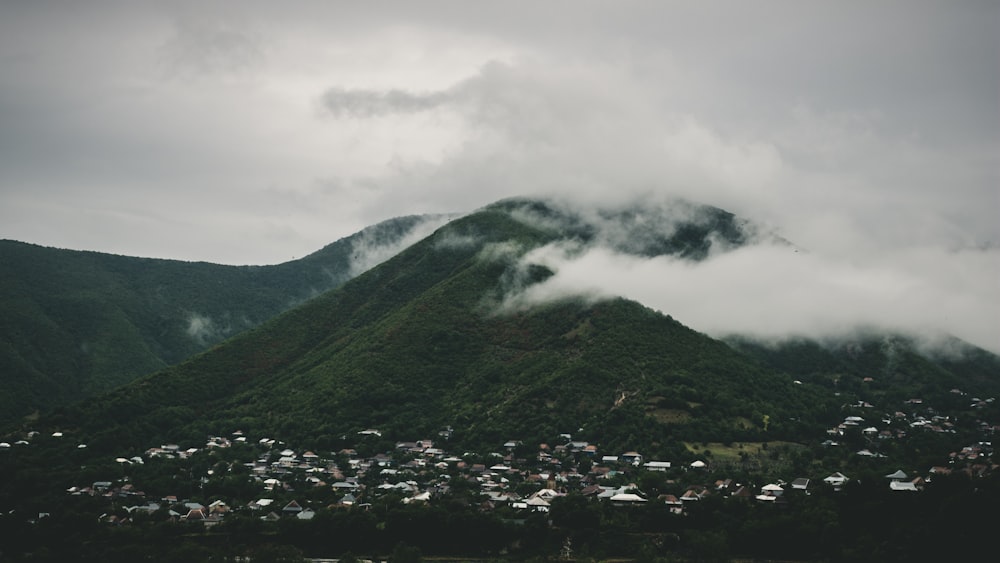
(256, 131)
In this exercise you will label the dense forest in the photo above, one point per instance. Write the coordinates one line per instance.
(74, 324)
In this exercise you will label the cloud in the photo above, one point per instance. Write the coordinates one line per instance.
(580, 131)
(203, 330)
(372, 247)
(599, 133)
(887, 245)
(777, 291)
(376, 103)
(210, 46)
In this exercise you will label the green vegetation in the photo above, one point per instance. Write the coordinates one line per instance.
(417, 344)
(422, 343)
(74, 324)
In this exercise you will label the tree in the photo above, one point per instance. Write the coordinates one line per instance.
(403, 553)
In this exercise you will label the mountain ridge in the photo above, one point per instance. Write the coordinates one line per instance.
(516, 401)
(79, 322)
(424, 333)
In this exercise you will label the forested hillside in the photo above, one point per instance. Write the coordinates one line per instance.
(73, 323)
(414, 403)
(423, 341)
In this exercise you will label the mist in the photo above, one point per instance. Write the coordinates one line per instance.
(772, 290)
(370, 248)
(203, 330)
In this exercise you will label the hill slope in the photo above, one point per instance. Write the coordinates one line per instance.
(73, 324)
(421, 342)
(424, 341)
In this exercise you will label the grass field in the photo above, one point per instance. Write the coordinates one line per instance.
(720, 452)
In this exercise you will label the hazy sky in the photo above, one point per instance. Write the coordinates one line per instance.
(257, 131)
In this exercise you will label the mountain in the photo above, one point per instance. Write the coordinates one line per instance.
(423, 341)
(427, 344)
(897, 366)
(73, 324)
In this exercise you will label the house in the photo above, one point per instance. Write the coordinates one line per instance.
(836, 480)
(898, 475)
(674, 504)
(218, 507)
(635, 458)
(195, 515)
(691, 495)
(537, 504)
(772, 490)
(622, 499)
(800, 484)
(657, 465)
(261, 503)
(418, 498)
(546, 494)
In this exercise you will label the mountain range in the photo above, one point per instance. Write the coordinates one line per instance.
(428, 340)
(426, 335)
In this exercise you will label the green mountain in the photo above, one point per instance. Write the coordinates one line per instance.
(73, 324)
(422, 342)
(885, 368)
(424, 346)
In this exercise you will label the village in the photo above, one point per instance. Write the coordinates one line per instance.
(278, 481)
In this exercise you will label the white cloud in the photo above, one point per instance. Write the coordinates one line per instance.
(369, 249)
(776, 292)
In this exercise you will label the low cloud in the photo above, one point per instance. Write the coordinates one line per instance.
(876, 239)
(777, 292)
(372, 246)
(205, 330)
(202, 329)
